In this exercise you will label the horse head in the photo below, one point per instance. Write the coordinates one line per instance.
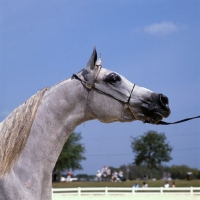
(111, 97)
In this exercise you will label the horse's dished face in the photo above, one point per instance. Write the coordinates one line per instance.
(113, 98)
(110, 104)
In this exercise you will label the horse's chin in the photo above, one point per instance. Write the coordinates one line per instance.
(155, 118)
(127, 119)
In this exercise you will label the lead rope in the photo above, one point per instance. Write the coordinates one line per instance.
(177, 122)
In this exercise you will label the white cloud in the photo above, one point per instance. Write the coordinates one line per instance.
(163, 28)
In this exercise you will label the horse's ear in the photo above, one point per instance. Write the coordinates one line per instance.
(92, 60)
(89, 69)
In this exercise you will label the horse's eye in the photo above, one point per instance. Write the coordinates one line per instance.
(113, 78)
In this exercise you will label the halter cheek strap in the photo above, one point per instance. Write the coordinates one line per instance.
(90, 86)
(127, 104)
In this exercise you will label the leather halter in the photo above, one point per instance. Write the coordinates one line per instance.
(90, 86)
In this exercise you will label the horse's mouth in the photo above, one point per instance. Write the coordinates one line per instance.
(155, 118)
(157, 115)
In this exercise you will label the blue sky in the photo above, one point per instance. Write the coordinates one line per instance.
(154, 44)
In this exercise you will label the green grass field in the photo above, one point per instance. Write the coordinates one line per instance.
(158, 183)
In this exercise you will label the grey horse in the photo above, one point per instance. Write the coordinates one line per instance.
(32, 136)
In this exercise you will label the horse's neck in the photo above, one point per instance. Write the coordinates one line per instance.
(61, 110)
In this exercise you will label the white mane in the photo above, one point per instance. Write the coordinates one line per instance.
(15, 129)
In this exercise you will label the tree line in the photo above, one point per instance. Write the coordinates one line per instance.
(133, 172)
(150, 149)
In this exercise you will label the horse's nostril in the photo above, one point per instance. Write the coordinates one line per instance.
(164, 100)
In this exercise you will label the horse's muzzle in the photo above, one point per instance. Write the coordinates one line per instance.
(164, 103)
(159, 108)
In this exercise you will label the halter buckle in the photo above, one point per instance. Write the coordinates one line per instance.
(88, 85)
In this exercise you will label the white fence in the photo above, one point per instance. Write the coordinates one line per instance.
(122, 191)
